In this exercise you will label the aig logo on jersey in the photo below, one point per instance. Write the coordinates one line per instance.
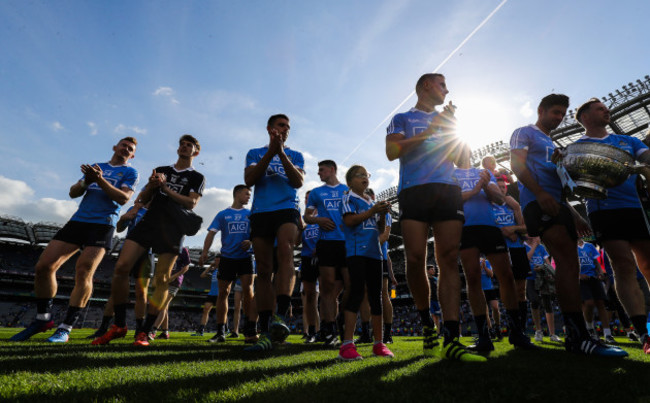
(370, 223)
(468, 184)
(238, 227)
(332, 204)
(275, 167)
(503, 218)
(311, 233)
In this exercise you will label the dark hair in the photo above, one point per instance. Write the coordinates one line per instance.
(554, 99)
(328, 163)
(351, 172)
(238, 188)
(273, 118)
(370, 192)
(424, 78)
(130, 139)
(584, 108)
(191, 139)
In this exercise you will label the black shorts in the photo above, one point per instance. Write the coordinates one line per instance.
(487, 239)
(331, 253)
(86, 234)
(173, 290)
(537, 221)
(592, 288)
(211, 299)
(628, 224)
(491, 295)
(266, 224)
(520, 264)
(308, 271)
(144, 267)
(230, 269)
(431, 203)
(161, 235)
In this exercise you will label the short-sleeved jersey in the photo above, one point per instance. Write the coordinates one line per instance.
(326, 200)
(478, 209)
(310, 236)
(429, 161)
(433, 287)
(540, 148)
(214, 283)
(537, 259)
(182, 260)
(235, 229)
(486, 281)
(182, 182)
(384, 246)
(273, 191)
(504, 216)
(587, 254)
(96, 207)
(362, 239)
(625, 194)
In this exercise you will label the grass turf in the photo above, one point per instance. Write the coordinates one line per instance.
(186, 368)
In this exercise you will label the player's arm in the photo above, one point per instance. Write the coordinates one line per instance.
(353, 219)
(493, 193)
(253, 173)
(383, 236)
(94, 174)
(545, 200)
(391, 273)
(381, 223)
(207, 243)
(127, 217)
(397, 144)
(179, 273)
(189, 202)
(323, 222)
(294, 174)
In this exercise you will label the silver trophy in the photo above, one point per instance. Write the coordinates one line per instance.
(591, 168)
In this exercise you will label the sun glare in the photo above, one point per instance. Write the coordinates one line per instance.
(482, 121)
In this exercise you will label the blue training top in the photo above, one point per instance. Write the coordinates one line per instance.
(478, 209)
(326, 200)
(273, 191)
(214, 283)
(429, 161)
(486, 281)
(362, 239)
(537, 259)
(310, 236)
(96, 207)
(384, 246)
(504, 216)
(587, 253)
(235, 229)
(538, 161)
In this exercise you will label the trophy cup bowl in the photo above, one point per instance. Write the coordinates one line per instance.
(594, 167)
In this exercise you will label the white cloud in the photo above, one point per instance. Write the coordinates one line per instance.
(123, 129)
(525, 110)
(93, 128)
(57, 126)
(167, 92)
(17, 199)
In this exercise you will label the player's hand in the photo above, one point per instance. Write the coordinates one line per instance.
(156, 180)
(381, 207)
(582, 227)
(548, 204)
(326, 224)
(202, 259)
(509, 232)
(245, 245)
(276, 144)
(129, 215)
(91, 173)
(484, 177)
(557, 156)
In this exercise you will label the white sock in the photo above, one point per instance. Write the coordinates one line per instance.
(65, 327)
(43, 316)
(607, 331)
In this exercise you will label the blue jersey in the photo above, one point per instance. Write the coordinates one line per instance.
(384, 246)
(504, 216)
(136, 220)
(537, 259)
(362, 239)
(478, 209)
(214, 283)
(587, 254)
(625, 194)
(486, 281)
(326, 200)
(540, 148)
(273, 191)
(427, 162)
(310, 236)
(96, 207)
(235, 229)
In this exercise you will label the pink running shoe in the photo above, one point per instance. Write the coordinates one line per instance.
(380, 350)
(348, 352)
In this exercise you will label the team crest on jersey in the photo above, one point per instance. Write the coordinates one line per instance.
(238, 227)
(332, 204)
(184, 180)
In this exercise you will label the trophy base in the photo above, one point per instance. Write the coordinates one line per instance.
(590, 190)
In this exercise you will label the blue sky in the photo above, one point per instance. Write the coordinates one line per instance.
(75, 76)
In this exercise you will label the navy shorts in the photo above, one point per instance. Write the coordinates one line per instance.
(432, 202)
(86, 234)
